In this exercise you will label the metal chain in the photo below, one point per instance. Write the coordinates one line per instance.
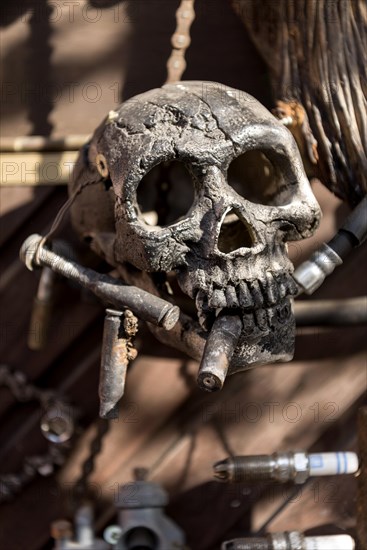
(56, 426)
(180, 41)
(81, 485)
(21, 389)
(44, 465)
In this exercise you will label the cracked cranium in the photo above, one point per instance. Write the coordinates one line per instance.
(204, 182)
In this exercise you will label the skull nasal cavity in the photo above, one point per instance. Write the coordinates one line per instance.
(234, 233)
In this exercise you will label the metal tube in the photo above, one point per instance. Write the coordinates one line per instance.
(350, 312)
(145, 305)
(218, 352)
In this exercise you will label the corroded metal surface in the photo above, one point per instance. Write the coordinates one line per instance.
(117, 351)
(148, 307)
(218, 351)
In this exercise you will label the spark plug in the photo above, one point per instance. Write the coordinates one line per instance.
(284, 467)
(311, 274)
(292, 540)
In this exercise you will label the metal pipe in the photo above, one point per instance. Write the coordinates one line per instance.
(218, 352)
(349, 312)
(145, 305)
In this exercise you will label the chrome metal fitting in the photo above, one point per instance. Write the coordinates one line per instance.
(85, 539)
(301, 468)
(312, 273)
(293, 540)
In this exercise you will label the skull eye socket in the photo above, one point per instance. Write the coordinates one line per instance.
(260, 180)
(165, 194)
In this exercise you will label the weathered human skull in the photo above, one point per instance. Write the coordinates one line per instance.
(223, 150)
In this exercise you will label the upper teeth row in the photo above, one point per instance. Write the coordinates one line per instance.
(253, 294)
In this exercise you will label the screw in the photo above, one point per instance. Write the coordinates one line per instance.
(283, 467)
(41, 311)
(145, 305)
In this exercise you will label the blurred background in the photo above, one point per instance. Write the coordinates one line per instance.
(64, 66)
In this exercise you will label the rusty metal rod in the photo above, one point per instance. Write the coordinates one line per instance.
(218, 352)
(349, 312)
(114, 363)
(41, 311)
(145, 305)
(43, 143)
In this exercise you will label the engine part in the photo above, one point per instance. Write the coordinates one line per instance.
(284, 467)
(311, 274)
(292, 540)
(142, 522)
(62, 532)
(148, 307)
